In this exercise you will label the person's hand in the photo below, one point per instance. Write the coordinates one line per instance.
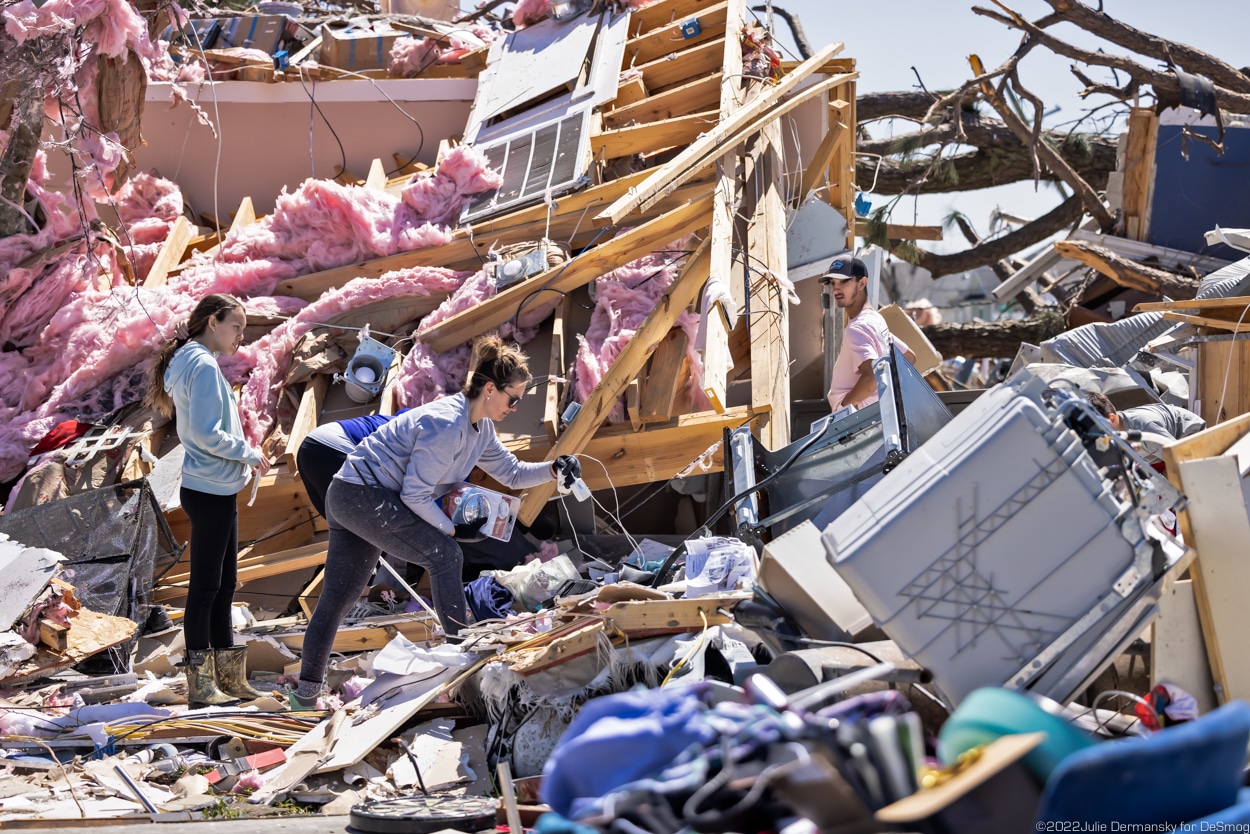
(181, 332)
(567, 469)
(264, 466)
(470, 532)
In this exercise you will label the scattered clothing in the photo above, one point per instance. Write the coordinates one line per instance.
(488, 600)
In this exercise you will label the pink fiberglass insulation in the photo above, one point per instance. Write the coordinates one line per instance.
(426, 376)
(278, 306)
(623, 300)
(441, 196)
(264, 362)
(50, 284)
(529, 12)
(412, 56)
(323, 225)
(147, 206)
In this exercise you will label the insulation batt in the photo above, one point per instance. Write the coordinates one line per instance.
(147, 207)
(529, 12)
(623, 300)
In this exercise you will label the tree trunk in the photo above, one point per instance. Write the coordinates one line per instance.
(27, 126)
(1128, 273)
(1030, 234)
(996, 339)
(912, 105)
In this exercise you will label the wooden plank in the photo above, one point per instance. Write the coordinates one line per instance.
(1221, 529)
(898, 231)
(371, 634)
(662, 41)
(1178, 654)
(171, 253)
(310, 403)
(575, 273)
(626, 366)
(717, 356)
(630, 91)
(692, 97)
(53, 635)
(818, 169)
(377, 176)
(251, 568)
(567, 642)
(1209, 321)
(633, 403)
(556, 370)
(388, 403)
(649, 138)
(1139, 170)
(842, 189)
(1223, 379)
(675, 615)
(1238, 303)
(765, 106)
(679, 67)
(309, 597)
(769, 320)
(666, 378)
(661, 14)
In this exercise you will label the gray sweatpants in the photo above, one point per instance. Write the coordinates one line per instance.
(364, 521)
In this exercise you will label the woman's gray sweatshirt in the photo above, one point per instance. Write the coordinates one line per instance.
(423, 453)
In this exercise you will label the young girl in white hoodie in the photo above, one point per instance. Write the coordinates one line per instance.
(219, 461)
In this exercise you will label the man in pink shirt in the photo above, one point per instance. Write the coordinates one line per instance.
(865, 339)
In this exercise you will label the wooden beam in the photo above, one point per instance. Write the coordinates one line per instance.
(53, 635)
(309, 597)
(666, 378)
(769, 316)
(255, 567)
(649, 138)
(895, 231)
(818, 168)
(692, 97)
(1139, 171)
(388, 403)
(377, 176)
(628, 363)
(717, 357)
(842, 188)
(679, 67)
(633, 403)
(630, 91)
(244, 215)
(171, 253)
(575, 273)
(1128, 273)
(370, 634)
(668, 37)
(723, 137)
(1236, 303)
(1209, 321)
(310, 403)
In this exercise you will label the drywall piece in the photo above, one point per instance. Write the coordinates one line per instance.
(1218, 518)
(795, 572)
(24, 571)
(1178, 654)
(301, 758)
(814, 235)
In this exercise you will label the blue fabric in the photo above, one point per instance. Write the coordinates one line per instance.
(1176, 775)
(358, 428)
(617, 739)
(488, 600)
(553, 823)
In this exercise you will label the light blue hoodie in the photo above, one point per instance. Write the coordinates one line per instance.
(218, 459)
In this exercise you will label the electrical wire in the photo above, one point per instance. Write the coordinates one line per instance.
(312, 98)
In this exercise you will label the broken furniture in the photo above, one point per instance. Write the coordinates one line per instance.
(1016, 548)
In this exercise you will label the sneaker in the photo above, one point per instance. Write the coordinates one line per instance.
(298, 703)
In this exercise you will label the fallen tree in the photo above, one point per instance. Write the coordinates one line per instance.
(994, 339)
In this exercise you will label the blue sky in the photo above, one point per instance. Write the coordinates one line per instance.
(889, 37)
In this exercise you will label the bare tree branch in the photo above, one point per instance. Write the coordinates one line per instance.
(912, 105)
(796, 29)
(1144, 43)
(1128, 273)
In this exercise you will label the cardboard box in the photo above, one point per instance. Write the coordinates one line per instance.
(900, 324)
(257, 31)
(357, 49)
(501, 510)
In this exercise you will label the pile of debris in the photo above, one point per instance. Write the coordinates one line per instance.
(852, 624)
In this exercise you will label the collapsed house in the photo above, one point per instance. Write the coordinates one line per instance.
(635, 195)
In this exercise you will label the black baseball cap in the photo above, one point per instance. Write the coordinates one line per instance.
(843, 267)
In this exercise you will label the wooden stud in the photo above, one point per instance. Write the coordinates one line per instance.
(171, 253)
(692, 97)
(630, 91)
(651, 138)
(309, 597)
(1209, 321)
(1223, 385)
(665, 40)
(678, 67)
(1238, 303)
(255, 567)
(388, 403)
(310, 403)
(626, 366)
(1139, 170)
(764, 109)
(53, 635)
(842, 188)
(377, 176)
(663, 14)
(666, 377)
(575, 273)
(371, 634)
(633, 403)
(818, 168)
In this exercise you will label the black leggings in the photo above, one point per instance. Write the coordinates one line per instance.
(317, 465)
(214, 569)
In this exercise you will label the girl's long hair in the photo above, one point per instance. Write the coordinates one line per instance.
(216, 306)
